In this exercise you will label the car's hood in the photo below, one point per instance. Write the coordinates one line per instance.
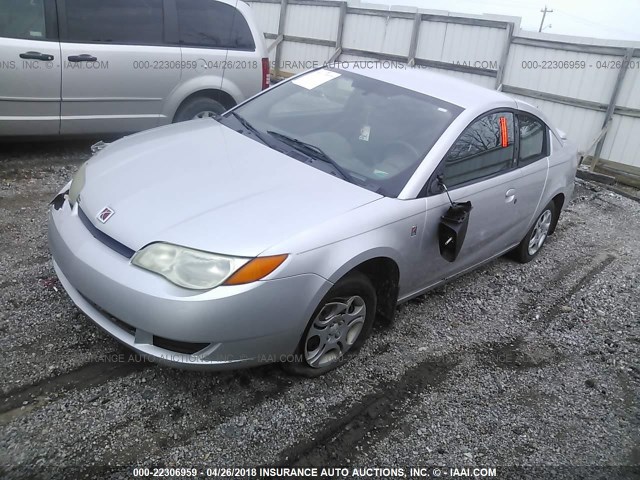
(206, 186)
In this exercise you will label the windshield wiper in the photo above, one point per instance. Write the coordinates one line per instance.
(250, 127)
(317, 152)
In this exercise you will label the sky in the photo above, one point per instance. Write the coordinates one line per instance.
(613, 19)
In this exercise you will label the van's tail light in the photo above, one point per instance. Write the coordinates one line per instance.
(265, 73)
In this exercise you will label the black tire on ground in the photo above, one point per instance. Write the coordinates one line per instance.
(198, 105)
(354, 284)
(522, 252)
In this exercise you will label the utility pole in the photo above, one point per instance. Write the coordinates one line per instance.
(544, 14)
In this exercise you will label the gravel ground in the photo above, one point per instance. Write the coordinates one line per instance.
(512, 364)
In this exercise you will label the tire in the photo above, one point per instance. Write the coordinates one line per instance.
(529, 248)
(313, 357)
(198, 107)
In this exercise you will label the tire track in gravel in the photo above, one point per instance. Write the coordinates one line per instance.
(598, 265)
(601, 262)
(163, 431)
(87, 376)
(369, 419)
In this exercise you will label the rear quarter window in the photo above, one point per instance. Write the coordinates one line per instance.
(211, 24)
(534, 139)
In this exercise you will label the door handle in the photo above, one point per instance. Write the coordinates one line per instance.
(36, 56)
(510, 196)
(82, 58)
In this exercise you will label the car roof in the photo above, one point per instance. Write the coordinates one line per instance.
(445, 87)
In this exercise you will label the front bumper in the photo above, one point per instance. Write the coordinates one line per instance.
(226, 327)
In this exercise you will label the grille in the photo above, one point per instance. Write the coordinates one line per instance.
(104, 238)
(180, 347)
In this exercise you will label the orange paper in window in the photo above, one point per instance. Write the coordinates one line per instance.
(504, 135)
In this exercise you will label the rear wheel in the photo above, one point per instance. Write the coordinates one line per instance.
(199, 107)
(338, 327)
(533, 241)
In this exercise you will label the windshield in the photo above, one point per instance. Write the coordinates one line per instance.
(375, 134)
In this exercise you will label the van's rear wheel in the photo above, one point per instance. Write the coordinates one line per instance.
(338, 327)
(199, 107)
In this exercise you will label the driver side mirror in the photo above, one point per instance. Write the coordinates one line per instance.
(452, 229)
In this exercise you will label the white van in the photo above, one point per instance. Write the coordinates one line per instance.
(74, 67)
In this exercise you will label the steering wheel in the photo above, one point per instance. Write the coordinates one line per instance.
(398, 156)
(406, 146)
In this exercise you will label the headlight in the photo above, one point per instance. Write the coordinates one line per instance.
(77, 183)
(200, 270)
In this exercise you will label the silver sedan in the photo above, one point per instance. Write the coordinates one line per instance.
(280, 231)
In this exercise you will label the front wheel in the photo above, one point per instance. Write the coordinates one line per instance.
(338, 327)
(531, 244)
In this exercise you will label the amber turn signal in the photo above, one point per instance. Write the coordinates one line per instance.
(256, 269)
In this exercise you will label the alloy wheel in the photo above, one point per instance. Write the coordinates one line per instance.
(540, 232)
(334, 330)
